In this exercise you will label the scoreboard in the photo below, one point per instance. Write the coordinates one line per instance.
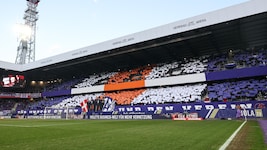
(13, 81)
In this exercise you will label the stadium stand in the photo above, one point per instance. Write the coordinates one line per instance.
(124, 97)
(182, 93)
(7, 104)
(185, 66)
(238, 59)
(41, 104)
(179, 64)
(175, 94)
(76, 100)
(160, 95)
(95, 80)
(149, 72)
(130, 75)
(61, 85)
(249, 89)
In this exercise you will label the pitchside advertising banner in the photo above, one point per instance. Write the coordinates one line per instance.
(218, 110)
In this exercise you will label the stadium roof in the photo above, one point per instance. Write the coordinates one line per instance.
(236, 27)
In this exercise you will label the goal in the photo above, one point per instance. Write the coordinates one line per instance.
(61, 113)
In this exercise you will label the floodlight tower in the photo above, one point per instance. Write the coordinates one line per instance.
(26, 35)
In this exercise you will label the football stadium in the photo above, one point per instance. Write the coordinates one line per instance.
(197, 83)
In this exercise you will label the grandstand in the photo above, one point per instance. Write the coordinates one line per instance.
(206, 64)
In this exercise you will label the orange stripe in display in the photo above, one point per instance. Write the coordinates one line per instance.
(125, 85)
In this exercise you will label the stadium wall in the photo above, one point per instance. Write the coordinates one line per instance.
(56, 93)
(92, 89)
(182, 79)
(253, 109)
(216, 110)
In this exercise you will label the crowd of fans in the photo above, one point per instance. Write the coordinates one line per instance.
(237, 59)
(248, 89)
(175, 94)
(95, 80)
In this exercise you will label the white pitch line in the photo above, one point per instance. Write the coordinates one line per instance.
(31, 126)
(228, 141)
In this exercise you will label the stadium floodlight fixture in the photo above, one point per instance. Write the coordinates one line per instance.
(23, 31)
(33, 1)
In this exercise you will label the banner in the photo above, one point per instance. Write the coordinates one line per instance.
(218, 110)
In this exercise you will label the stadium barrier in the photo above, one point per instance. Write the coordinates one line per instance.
(215, 110)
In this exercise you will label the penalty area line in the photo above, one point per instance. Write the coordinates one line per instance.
(229, 140)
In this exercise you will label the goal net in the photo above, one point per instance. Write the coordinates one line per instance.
(61, 113)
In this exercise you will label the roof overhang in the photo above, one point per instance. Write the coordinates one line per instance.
(243, 10)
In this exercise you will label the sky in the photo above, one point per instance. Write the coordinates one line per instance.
(66, 25)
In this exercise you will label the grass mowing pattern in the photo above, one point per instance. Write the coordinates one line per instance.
(114, 134)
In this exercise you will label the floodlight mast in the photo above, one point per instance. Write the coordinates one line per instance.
(26, 47)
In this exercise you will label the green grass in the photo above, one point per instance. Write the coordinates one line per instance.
(256, 136)
(114, 134)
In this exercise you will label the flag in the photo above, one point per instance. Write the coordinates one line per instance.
(84, 105)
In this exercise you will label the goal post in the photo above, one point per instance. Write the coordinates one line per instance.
(60, 113)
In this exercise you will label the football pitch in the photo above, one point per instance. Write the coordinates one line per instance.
(123, 134)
